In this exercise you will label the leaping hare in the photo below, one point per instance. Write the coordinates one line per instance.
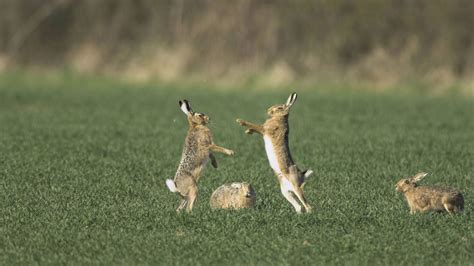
(196, 152)
(275, 133)
(425, 198)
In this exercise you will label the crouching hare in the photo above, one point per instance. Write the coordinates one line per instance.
(196, 153)
(425, 198)
(233, 196)
(275, 133)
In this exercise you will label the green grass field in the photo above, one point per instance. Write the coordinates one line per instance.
(83, 164)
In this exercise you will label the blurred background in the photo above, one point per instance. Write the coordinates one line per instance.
(378, 44)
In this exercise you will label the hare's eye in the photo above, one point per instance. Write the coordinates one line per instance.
(407, 182)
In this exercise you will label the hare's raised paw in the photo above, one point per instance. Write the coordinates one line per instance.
(249, 131)
(240, 121)
(230, 152)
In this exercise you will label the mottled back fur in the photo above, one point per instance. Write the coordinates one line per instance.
(193, 158)
(425, 198)
(233, 196)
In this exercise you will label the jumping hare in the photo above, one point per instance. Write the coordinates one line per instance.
(196, 152)
(233, 196)
(425, 198)
(275, 133)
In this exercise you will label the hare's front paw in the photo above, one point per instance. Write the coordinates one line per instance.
(240, 121)
(230, 152)
(249, 131)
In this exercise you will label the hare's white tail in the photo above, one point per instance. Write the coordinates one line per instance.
(171, 185)
(306, 174)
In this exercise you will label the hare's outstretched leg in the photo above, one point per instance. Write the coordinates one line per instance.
(251, 128)
(289, 197)
(182, 205)
(191, 198)
(295, 182)
(220, 149)
(300, 194)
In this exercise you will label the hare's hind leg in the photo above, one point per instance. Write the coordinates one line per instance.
(182, 205)
(295, 183)
(300, 194)
(289, 196)
(191, 198)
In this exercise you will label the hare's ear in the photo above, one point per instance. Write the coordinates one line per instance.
(292, 99)
(185, 107)
(418, 177)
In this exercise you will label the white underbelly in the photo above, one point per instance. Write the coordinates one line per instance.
(271, 154)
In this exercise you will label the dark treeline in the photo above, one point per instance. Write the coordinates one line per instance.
(368, 38)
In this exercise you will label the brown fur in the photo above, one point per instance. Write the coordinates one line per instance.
(426, 198)
(196, 153)
(276, 128)
(233, 196)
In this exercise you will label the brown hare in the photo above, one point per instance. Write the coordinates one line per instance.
(275, 133)
(233, 196)
(425, 198)
(196, 153)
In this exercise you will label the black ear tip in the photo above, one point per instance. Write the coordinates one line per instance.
(184, 101)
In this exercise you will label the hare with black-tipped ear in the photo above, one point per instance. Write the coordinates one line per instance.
(275, 133)
(196, 153)
(426, 198)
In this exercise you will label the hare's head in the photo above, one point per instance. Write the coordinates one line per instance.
(411, 182)
(245, 189)
(193, 117)
(282, 109)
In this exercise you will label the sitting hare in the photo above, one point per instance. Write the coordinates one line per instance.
(233, 196)
(196, 152)
(275, 133)
(424, 198)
